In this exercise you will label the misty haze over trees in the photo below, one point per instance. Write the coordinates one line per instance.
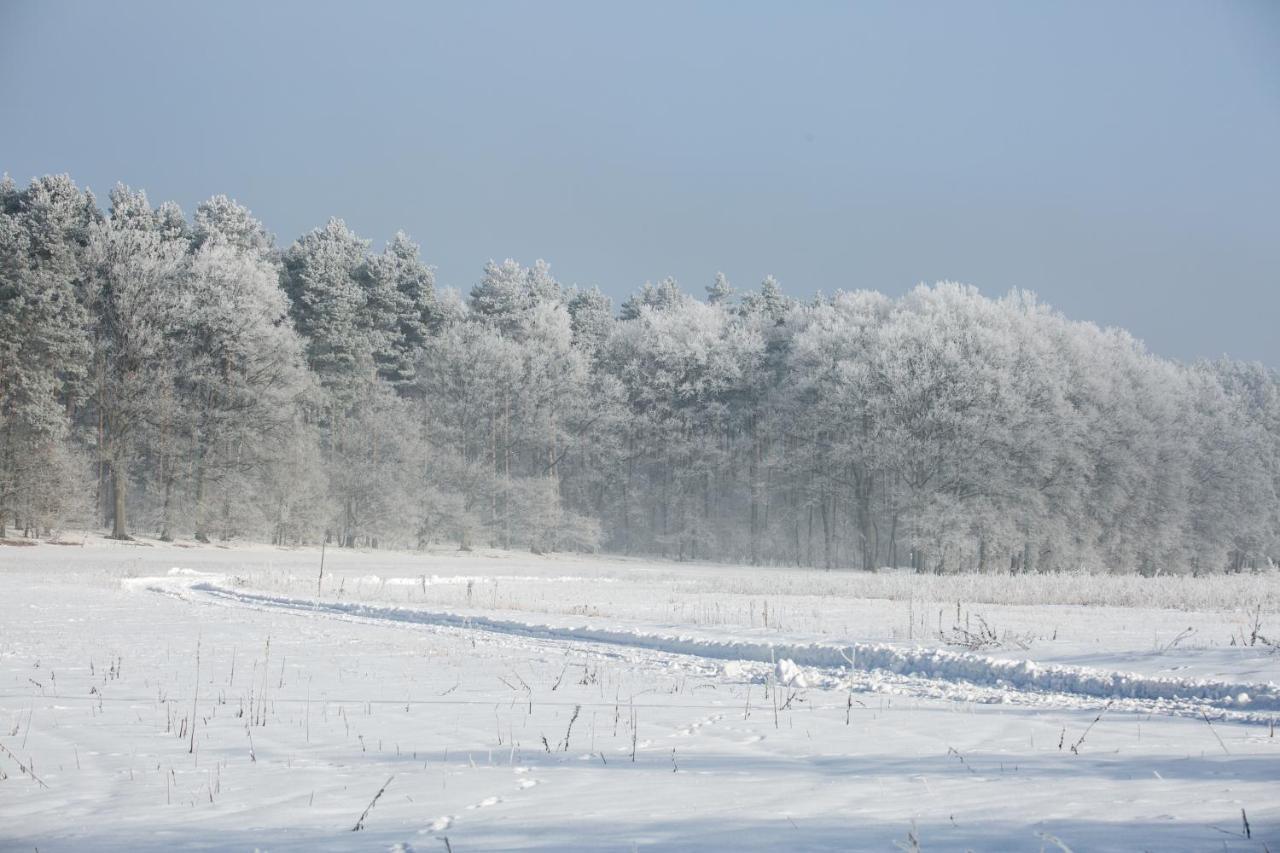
(177, 377)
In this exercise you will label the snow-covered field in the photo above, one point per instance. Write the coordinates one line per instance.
(158, 697)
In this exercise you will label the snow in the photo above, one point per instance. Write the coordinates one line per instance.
(504, 710)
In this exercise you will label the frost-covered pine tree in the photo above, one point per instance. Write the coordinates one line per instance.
(43, 351)
(591, 319)
(138, 297)
(719, 291)
(325, 275)
(242, 379)
(405, 290)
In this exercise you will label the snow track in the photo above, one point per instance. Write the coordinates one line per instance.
(991, 679)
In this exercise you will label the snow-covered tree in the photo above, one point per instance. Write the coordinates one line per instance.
(241, 382)
(43, 351)
(139, 297)
(403, 287)
(326, 276)
(719, 291)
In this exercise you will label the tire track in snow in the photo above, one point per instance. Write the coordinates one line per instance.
(995, 679)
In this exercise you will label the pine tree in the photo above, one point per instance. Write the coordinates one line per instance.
(325, 276)
(403, 288)
(138, 298)
(719, 292)
(44, 348)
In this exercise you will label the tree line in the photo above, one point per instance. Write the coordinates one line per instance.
(187, 377)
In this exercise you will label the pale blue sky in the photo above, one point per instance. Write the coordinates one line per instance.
(1122, 159)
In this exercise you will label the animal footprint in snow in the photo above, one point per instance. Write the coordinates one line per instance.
(754, 739)
(440, 824)
(693, 727)
(526, 783)
(486, 802)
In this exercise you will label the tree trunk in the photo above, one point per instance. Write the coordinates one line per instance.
(202, 534)
(827, 532)
(348, 525)
(7, 479)
(809, 537)
(165, 534)
(754, 482)
(866, 522)
(119, 485)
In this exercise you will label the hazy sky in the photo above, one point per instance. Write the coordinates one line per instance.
(1122, 159)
